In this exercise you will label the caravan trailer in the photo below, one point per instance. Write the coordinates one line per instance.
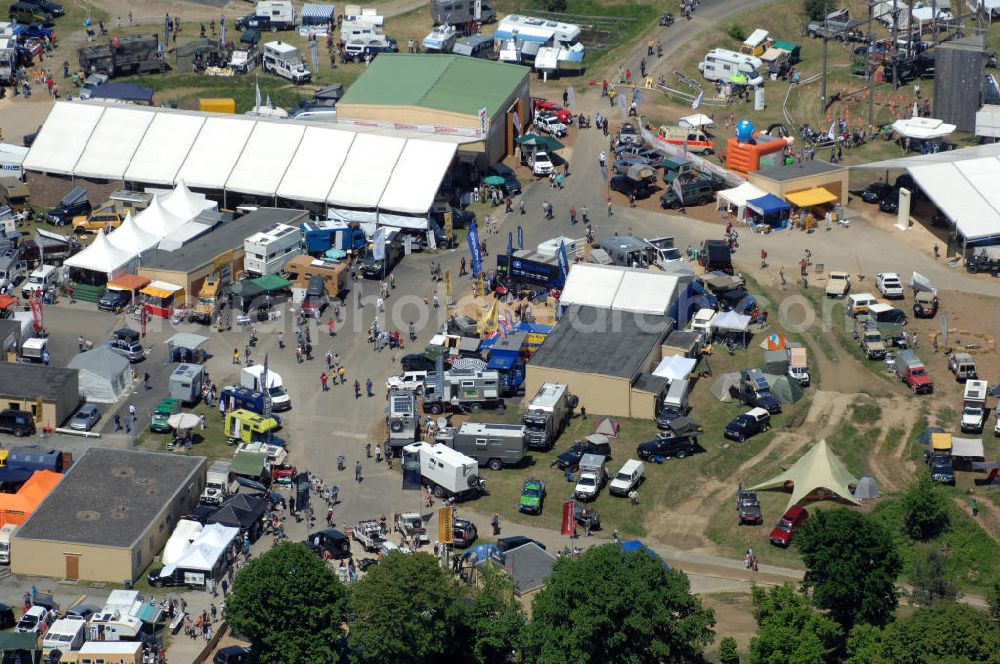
(462, 12)
(525, 37)
(721, 65)
(476, 46)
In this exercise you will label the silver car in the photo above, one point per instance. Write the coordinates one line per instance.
(85, 418)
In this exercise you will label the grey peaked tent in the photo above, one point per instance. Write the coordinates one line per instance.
(104, 374)
(721, 387)
(867, 489)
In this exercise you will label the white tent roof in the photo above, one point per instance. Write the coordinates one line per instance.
(967, 447)
(739, 196)
(179, 542)
(966, 192)
(697, 120)
(213, 155)
(265, 158)
(184, 203)
(62, 138)
(104, 374)
(730, 320)
(129, 237)
(205, 551)
(164, 148)
(922, 128)
(113, 143)
(619, 288)
(415, 178)
(366, 171)
(155, 220)
(316, 164)
(675, 367)
(100, 256)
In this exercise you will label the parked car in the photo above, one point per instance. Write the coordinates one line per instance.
(463, 533)
(85, 418)
(93, 81)
(668, 446)
(570, 459)
(17, 422)
(838, 284)
(532, 496)
(30, 621)
(781, 535)
(53, 8)
(545, 106)
(626, 185)
(540, 163)
(875, 192)
(750, 423)
(511, 185)
(417, 362)
(889, 285)
(232, 655)
(550, 124)
(748, 508)
(925, 305)
(890, 202)
(941, 468)
(653, 157)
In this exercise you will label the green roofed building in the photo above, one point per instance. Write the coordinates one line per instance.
(444, 94)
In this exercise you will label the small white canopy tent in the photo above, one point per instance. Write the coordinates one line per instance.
(186, 532)
(156, 221)
(102, 256)
(696, 121)
(205, 552)
(675, 367)
(737, 197)
(129, 237)
(922, 128)
(184, 203)
(730, 321)
(104, 374)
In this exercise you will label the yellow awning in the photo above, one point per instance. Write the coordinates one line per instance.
(941, 441)
(811, 197)
(161, 293)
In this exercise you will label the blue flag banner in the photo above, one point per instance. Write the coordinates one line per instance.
(520, 238)
(474, 251)
(510, 243)
(563, 264)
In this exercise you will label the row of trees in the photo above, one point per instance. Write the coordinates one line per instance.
(607, 606)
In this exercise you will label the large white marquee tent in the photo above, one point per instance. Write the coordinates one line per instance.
(361, 174)
(620, 289)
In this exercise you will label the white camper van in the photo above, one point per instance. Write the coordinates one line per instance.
(284, 60)
(721, 65)
(281, 13)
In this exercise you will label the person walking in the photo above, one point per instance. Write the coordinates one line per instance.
(357, 471)
(342, 374)
(145, 380)
(357, 390)
(572, 216)
(323, 378)
(520, 206)
(495, 522)
(331, 326)
(236, 355)
(610, 211)
(118, 422)
(368, 387)
(461, 269)
(585, 214)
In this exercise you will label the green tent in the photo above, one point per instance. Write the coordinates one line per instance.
(271, 282)
(784, 389)
(11, 642)
(539, 142)
(245, 289)
(818, 468)
(249, 464)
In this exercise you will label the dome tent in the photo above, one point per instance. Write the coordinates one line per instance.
(101, 256)
(157, 221)
(184, 203)
(129, 237)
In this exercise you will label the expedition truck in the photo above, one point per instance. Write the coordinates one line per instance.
(208, 300)
(125, 55)
(445, 471)
(494, 445)
(548, 414)
(217, 486)
(974, 406)
(912, 371)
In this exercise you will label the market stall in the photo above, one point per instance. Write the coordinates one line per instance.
(815, 203)
(99, 262)
(767, 213)
(162, 299)
(734, 201)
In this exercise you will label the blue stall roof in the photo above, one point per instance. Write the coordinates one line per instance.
(316, 13)
(124, 92)
(536, 328)
(502, 362)
(637, 545)
(768, 204)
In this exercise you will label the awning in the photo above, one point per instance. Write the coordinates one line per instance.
(129, 282)
(768, 204)
(922, 128)
(250, 464)
(811, 197)
(271, 282)
(186, 340)
(160, 289)
(675, 367)
(540, 142)
(696, 121)
(968, 448)
(730, 320)
(245, 289)
(314, 13)
(739, 196)
(124, 92)
(941, 441)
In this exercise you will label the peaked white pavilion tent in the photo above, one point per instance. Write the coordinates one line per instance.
(737, 198)
(620, 289)
(102, 257)
(184, 203)
(129, 237)
(156, 221)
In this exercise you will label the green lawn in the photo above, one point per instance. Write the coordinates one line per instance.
(211, 442)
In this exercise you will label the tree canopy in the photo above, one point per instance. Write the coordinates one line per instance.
(616, 606)
(925, 509)
(851, 566)
(817, 9)
(930, 577)
(945, 632)
(791, 630)
(407, 609)
(496, 619)
(290, 606)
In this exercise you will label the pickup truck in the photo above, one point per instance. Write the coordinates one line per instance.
(911, 371)
(570, 459)
(369, 534)
(750, 423)
(837, 27)
(748, 508)
(592, 477)
(838, 284)
(889, 285)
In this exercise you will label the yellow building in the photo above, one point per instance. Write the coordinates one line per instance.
(29, 386)
(109, 516)
(805, 184)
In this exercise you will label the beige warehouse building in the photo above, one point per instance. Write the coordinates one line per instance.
(50, 394)
(449, 95)
(109, 516)
(604, 356)
(805, 184)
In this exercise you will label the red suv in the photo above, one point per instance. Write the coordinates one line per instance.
(564, 114)
(782, 533)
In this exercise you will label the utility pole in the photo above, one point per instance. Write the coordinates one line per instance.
(895, 43)
(826, 31)
(870, 64)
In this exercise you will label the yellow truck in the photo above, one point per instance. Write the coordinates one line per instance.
(208, 300)
(105, 217)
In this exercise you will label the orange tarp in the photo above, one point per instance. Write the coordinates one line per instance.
(129, 282)
(17, 507)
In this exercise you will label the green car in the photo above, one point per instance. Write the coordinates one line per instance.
(162, 413)
(532, 496)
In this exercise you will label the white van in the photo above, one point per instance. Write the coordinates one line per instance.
(64, 636)
(677, 396)
(721, 65)
(628, 478)
(6, 534)
(858, 303)
(702, 322)
(41, 278)
(281, 13)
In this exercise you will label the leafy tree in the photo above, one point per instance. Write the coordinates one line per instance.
(407, 609)
(729, 652)
(736, 32)
(864, 645)
(290, 606)
(555, 5)
(932, 581)
(791, 630)
(496, 619)
(925, 509)
(851, 566)
(818, 9)
(617, 606)
(993, 598)
(945, 632)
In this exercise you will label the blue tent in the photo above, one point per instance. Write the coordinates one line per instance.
(770, 210)
(316, 14)
(124, 92)
(15, 475)
(637, 545)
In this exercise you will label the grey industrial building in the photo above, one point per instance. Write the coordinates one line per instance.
(25, 386)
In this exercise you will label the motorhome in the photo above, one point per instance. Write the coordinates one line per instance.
(758, 42)
(524, 37)
(441, 39)
(462, 388)
(268, 251)
(402, 417)
(280, 12)
(721, 65)
(547, 415)
(300, 269)
(217, 484)
(627, 251)
(358, 30)
(445, 471)
(284, 60)
(476, 46)
(113, 626)
(369, 14)
(462, 12)
(493, 445)
(97, 652)
(186, 382)
(64, 635)
(41, 279)
(251, 377)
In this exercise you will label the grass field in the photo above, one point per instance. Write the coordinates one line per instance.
(211, 442)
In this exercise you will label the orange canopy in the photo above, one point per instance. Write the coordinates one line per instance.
(129, 282)
(17, 507)
(6, 301)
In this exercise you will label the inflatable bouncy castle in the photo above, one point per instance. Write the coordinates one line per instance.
(749, 151)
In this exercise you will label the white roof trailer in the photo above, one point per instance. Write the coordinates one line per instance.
(527, 28)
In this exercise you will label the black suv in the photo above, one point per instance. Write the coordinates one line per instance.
(941, 468)
(18, 422)
(331, 541)
(73, 204)
(695, 193)
(626, 185)
(377, 268)
(417, 362)
(875, 192)
(459, 218)
(667, 446)
(511, 185)
(570, 459)
(750, 423)
(114, 300)
(463, 533)
(53, 8)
